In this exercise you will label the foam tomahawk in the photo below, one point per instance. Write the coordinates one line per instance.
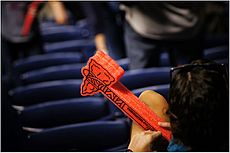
(102, 74)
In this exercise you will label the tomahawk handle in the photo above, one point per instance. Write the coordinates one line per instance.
(135, 109)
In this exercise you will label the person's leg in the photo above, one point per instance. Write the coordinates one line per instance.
(142, 52)
(114, 37)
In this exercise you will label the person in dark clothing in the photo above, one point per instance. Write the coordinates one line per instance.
(15, 45)
(153, 27)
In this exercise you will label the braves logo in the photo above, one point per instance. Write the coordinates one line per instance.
(96, 78)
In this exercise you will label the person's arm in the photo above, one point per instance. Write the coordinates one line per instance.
(59, 12)
(100, 42)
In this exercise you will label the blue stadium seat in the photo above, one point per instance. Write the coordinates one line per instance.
(83, 45)
(60, 72)
(46, 91)
(52, 32)
(222, 61)
(161, 89)
(215, 53)
(63, 112)
(63, 33)
(134, 79)
(45, 60)
(91, 136)
(216, 40)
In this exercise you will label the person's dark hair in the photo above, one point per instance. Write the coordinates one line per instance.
(198, 98)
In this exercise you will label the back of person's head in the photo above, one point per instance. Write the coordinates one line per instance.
(198, 100)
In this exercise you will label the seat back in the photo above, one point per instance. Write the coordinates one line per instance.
(45, 91)
(215, 53)
(61, 72)
(91, 136)
(63, 112)
(51, 32)
(45, 60)
(83, 45)
(134, 79)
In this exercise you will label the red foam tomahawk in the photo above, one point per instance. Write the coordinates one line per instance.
(101, 74)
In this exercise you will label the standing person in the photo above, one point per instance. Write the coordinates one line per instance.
(105, 20)
(198, 110)
(15, 44)
(13, 16)
(152, 27)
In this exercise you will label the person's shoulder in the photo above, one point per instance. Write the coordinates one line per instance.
(156, 102)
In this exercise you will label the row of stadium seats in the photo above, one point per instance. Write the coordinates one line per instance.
(74, 110)
(69, 88)
(50, 108)
(52, 111)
